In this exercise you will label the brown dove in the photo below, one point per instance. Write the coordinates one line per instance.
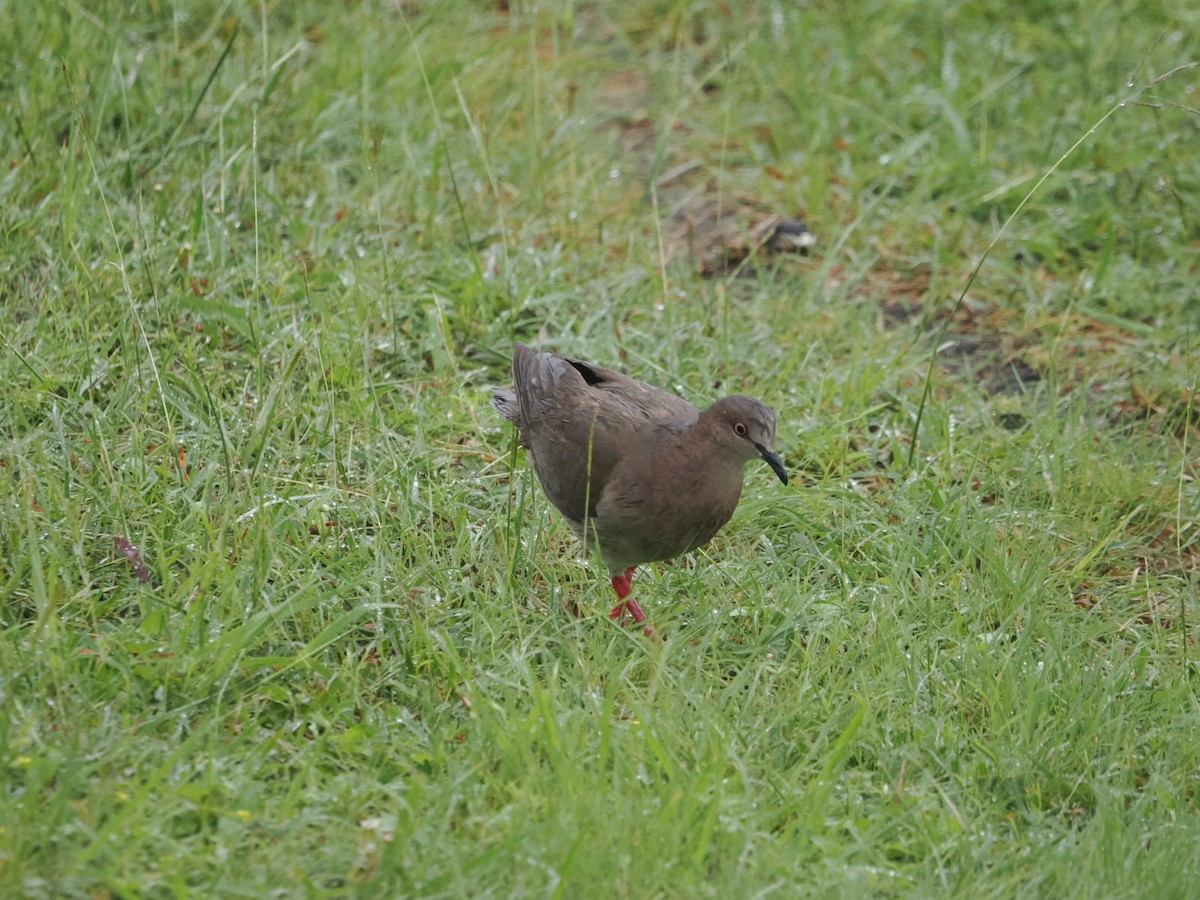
(638, 473)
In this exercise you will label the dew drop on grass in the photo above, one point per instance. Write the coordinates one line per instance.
(778, 23)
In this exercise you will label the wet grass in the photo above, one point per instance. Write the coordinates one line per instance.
(284, 611)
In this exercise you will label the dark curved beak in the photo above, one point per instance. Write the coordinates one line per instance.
(774, 461)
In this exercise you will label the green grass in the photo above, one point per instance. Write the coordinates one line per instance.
(260, 267)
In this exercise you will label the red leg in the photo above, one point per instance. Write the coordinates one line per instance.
(622, 584)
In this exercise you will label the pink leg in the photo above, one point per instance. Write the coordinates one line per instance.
(622, 584)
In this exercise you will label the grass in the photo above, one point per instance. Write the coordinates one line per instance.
(261, 266)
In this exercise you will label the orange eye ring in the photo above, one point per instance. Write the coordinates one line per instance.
(739, 429)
